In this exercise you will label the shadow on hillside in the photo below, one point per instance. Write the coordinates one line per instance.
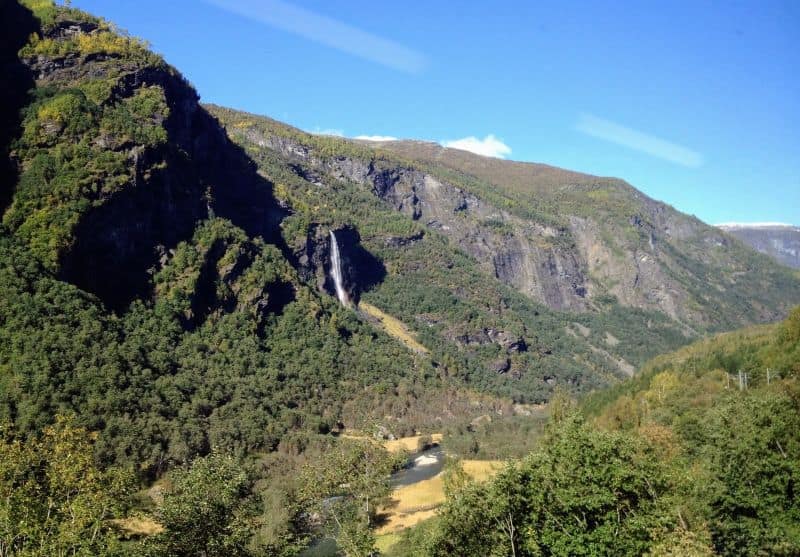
(198, 174)
(16, 25)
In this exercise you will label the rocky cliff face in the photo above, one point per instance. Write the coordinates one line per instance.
(781, 242)
(593, 239)
(535, 259)
(361, 269)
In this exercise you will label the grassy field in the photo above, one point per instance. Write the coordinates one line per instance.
(138, 526)
(385, 541)
(410, 444)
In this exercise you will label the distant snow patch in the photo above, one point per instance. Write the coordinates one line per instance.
(489, 146)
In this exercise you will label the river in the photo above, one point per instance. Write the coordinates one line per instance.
(421, 466)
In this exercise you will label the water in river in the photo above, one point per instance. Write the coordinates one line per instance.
(422, 466)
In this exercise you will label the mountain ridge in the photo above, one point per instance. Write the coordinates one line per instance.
(560, 211)
(200, 236)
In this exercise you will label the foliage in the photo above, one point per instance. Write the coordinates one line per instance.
(678, 461)
(209, 509)
(138, 119)
(346, 488)
(502, 438)
(737, 440)
(53, 498)
(584, 492)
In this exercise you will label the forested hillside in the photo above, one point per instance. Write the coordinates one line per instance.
(177, 376)
(589, 274)
(145, 285)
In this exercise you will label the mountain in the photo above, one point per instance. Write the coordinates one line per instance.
(194, 292)
(569, 241)
(168, 270)
(146, 286)
(779, 241)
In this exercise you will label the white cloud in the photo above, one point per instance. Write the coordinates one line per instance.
(376, 137)
(489, 146)
(754, 225)
(327, 31)
(627, 137)
(327, 131)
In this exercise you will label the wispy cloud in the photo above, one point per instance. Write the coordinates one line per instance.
(633, 139)
(376, 137)
(489, 146)
(328, 31)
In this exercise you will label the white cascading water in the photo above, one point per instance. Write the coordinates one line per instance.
(336, 272)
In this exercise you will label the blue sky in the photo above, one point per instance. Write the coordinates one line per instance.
(695, 103)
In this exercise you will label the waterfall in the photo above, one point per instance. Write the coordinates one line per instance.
(336, 272)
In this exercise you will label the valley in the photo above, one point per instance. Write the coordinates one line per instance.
(223, 335)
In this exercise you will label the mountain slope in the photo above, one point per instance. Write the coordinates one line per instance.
(477, 326)
(174, 288)
(144, 280)
(567, 240)
(781, 242)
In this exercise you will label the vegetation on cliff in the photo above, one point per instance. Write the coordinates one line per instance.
(169, 350)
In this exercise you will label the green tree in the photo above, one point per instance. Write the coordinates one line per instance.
(208, 511)
(54, 501)
(345, 489)
(754, 452)
(585, 492)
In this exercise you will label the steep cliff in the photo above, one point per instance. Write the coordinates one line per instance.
(136, 161)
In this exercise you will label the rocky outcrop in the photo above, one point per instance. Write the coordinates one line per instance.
(509, 342)
(197, 173)
(501, 365)
(16, 25)
(403, 241)
(634, 277)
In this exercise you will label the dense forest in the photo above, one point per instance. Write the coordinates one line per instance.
(178, 378)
